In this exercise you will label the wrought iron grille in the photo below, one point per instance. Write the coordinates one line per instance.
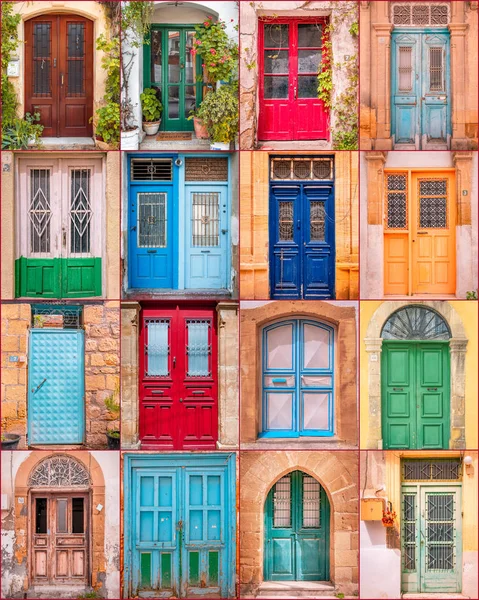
(80, 211)
(282, 502)
(157, 347)
(447, 469)
(433, 203)
(440, 532)
(151, 169)
(415, 323)
(317, 218)
(42, 51)
(59, 471)
(396, 201)
(198, 347)
(409, 531)
(40, 212)
(205, 219)
(311, 502)
(436, 69)
(285, 222)
(409, 14)
(152, 220)
(68, 316)
(75, 60)
(405, 68)
(206, 169)
(301, 168)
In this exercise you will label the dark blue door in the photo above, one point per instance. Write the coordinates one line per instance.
(302, 247)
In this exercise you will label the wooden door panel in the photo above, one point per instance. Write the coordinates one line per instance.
(40, 563)
(396, 259)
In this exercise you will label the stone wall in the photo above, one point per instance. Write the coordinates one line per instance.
(102, 368)
(337, 472)
(343, 319)
(254, 223)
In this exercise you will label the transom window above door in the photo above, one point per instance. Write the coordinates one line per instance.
(415, 323)
(420, 14)
(298, 379)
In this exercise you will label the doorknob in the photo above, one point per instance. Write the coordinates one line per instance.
(181, 399)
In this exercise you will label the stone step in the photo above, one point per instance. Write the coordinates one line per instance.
(296, 589)
(435, 596)
(53, 592)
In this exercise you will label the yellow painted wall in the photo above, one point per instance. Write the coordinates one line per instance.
(469, 490)
(468, 312)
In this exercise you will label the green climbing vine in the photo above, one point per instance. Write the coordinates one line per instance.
(325, 75)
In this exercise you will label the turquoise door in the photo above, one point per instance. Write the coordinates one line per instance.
(431, 538)
(421, 97)
(297, 517)
(207, 237)
(56, 386)
(180, 525)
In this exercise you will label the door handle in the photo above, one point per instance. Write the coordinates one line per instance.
(64, 238)
(422, 232)
(133, 228)
(223, 231)
(61, 79)
(174, 361)
(295, 93)
(151, 251)
(35, 390)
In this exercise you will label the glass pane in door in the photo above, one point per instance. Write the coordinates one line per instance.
(279, 408)
(156, 56)
(41, 59)
(316, 347)
(174, 69)
(152, 220)
(80, 212)
(76, 59)
(279, 347)
(157, 347)
(316, 411)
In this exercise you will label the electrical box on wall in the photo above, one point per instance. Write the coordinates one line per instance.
(372, 509)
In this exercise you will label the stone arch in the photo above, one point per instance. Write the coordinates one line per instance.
(342, 318)
(186, 7)
(336, 472)
(457, 349)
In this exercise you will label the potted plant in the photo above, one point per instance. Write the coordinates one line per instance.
(219, 110)
(107, 131)
(388, 518)
(113, 407)
(10, 441)
(201, 130)
(151, 108)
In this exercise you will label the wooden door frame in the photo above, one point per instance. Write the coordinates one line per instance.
(51, 493)
(412, 218)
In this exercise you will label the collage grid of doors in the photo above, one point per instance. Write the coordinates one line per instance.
(239, 299)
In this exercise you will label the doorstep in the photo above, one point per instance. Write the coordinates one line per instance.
(56, 591)
(155, 294)
(310, 145)
(67, 143)
(305, 443)
(151, 143)
(435, 596)
(295, 589)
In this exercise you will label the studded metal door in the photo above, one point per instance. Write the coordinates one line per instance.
(178, 378)
(296, 530)
(181, 515)
(59, 74)
(302, 229)
(289, 60)
(56, 387)
(431, 538)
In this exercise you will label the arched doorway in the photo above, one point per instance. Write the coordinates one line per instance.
(297, 526)
(59, 497)
(59, 73)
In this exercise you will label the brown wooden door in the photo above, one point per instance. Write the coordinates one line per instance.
(60, 538)
(59, 74)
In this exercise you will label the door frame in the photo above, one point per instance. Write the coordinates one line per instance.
(89, 88)
(409, 172)
(134, 460)
(51, 494)
(147, 83)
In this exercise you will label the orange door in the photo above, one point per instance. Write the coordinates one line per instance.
(433, 234)
(419, 233)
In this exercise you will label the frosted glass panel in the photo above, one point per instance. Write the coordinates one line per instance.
(157, 348)
(316, 348)
(316, 411)
(279, 411)
(279, 348)
(308, 381)
(198, 348)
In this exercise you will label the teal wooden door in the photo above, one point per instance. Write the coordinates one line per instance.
(431, 538)
(171, 66)
(296, 530)
(415, 395)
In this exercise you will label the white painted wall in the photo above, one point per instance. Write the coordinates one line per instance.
(380, 567)
(188, 12)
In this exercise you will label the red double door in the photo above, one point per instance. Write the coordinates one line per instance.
(178, 378)
(289, 58)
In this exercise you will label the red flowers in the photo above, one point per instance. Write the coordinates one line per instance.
(213, 51)
(388, 518)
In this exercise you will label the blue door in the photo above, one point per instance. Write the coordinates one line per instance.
(207, 237)
(56, 387)
(302, 246)
(298, 379)
(180, 525)
(421, 103)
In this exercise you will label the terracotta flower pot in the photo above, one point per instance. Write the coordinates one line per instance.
(151, 127)
(201, 130)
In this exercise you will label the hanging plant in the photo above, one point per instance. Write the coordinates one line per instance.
(219, 54)
(389, 516)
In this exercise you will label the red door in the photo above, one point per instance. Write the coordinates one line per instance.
(178, 378)
(59, 74)
(290, 57)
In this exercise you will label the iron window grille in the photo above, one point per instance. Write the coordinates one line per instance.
(396, 213)
(59, 471)
(157, 347)
(420, 14)
(151, 169)
(301, 169)
(432, 208)
(446, 469)
(69, 316)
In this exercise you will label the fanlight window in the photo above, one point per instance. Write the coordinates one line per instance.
(420, 14)
(59, 471)
(415, 323)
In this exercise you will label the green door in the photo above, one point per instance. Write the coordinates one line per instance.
(431, 536)
(296, 530)
(415, 395)
(171, 65)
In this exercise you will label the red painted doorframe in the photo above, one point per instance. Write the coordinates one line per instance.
(292, 117)
(178, 411)
(62, 113)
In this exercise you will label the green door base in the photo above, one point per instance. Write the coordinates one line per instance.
(57, 277)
